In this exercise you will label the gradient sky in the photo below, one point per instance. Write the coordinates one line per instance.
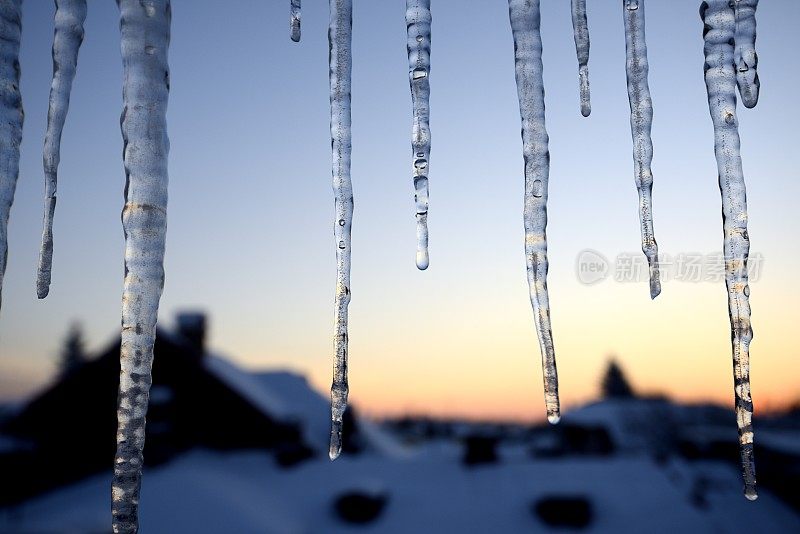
(250, 215)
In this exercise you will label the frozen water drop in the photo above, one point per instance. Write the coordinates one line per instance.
(537, 189)
(553, 419)
(422, 259)
(418, 74)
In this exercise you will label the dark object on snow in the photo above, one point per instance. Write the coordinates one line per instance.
(615, 385)
(574, 440)
(564, 511)
(587, 440)
(360, 507)
(480, 450)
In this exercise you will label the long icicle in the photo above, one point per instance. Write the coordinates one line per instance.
(11, 118)
(720, 78)
(340, 56)
(525, 19)
(418, 23)
(67, 39)
(145, 33)
(580, 30)
(745, 57)
(636, 67)
(294, 20)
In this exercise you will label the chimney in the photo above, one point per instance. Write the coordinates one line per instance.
(192, 327)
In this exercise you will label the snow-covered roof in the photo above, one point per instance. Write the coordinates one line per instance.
(289, 397)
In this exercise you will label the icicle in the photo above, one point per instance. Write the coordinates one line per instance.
(294, 20)
(745, 57)
(525, 19)
(11, 117)
(580, 29)
(720, 77)
(67, 40)
(641, 123)
(418, 22)
(145, 32)
(339, 40)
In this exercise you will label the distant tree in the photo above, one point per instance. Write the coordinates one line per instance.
(72, 354)
(614, 384)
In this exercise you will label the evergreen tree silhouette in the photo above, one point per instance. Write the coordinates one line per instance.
(614, 384)
(72, 354)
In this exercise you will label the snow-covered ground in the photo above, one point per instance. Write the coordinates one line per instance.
(432, 491)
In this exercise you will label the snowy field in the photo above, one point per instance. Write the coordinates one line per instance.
(429, 492)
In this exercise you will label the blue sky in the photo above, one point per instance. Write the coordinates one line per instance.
(251, 208)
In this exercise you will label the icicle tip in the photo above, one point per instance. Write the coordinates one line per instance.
(655, 288)
(423, 259)
(336, 440)
(554, 418)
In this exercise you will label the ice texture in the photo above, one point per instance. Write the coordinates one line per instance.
(720, 77)
(340, 35)
(580, 30)
(418, 23)
(67, 39)
(636, 67)
(745, 57)
(145, 34)
(294, 20)
(11, 117)
(525, 19)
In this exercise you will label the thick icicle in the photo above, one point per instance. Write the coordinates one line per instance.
(525, 19)
(294, 20)
(580, 29)
(745, 57)
(720, 77)
(418, 22)
(67, 40)
(11, 117)
(340, 56)
(636, 67)
(145, 31)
